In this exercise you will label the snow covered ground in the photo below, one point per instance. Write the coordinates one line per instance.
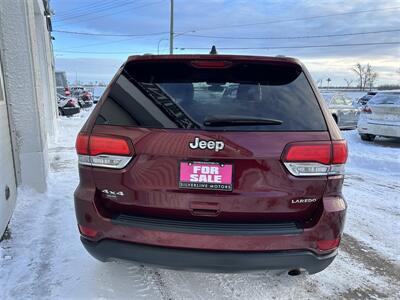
(44, 259)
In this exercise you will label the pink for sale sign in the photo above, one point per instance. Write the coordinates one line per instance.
(205, 175)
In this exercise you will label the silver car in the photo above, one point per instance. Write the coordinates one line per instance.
(380, 117)
(343, 111)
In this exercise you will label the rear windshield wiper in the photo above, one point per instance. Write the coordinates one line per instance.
(218, 121)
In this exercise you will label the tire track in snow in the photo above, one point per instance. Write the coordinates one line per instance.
(158, 280)
(373, 212)
(372, 260)
(354, 177)
(253, 285)
(362, 293)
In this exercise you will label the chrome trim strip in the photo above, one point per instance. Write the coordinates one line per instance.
(300, 169)
(114, 161)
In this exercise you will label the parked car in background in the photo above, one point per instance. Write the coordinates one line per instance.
(364, 99)
(77, 90)
(342, 109)
(380, 117)
(177, 174)
(85, 103)
(85, 97)
(67, 106)
(62, 84)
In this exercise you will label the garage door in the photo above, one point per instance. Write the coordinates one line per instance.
(7, 174)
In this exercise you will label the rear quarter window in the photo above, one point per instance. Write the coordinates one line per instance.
(179, 95)
(386, 99)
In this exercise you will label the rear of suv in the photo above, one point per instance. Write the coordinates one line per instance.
(212, 162)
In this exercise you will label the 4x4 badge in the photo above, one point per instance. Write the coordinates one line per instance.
(203, 144)
(112, 193)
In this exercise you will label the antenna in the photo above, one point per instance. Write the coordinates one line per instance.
(213, 50)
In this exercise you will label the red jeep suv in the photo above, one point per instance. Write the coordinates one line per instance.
(212, 162)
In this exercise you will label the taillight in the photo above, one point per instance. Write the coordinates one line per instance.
(89, 232)
(339, 155)
(104, 151)
(326, 245)
(367, 110)
(310, 153)
(108, 145)
(315, 158)
(82, 144)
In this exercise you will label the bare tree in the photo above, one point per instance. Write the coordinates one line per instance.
(348, 82)
(359, 70)
(371, 78)
(366, 76)
(367, 72)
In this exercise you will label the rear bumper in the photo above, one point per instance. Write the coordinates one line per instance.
(372, 127)
(69, 111)
(209, 246)
(87, 104)
(201, 260)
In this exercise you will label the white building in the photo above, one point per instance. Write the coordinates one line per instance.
(28, 108)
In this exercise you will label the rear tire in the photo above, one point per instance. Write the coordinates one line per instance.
(367, 137)
(335, 118)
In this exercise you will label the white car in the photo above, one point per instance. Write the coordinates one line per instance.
(380, 117)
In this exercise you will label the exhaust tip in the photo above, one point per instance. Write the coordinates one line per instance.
(294, 272)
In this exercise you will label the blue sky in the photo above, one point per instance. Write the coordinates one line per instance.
(228, 24)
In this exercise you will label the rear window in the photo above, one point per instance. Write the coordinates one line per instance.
(386, 99)
(366, 97)
(341, 100)
(242, 96)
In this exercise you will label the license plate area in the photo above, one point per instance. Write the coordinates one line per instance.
(205, 175)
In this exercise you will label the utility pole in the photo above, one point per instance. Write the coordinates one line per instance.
(171, 29)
